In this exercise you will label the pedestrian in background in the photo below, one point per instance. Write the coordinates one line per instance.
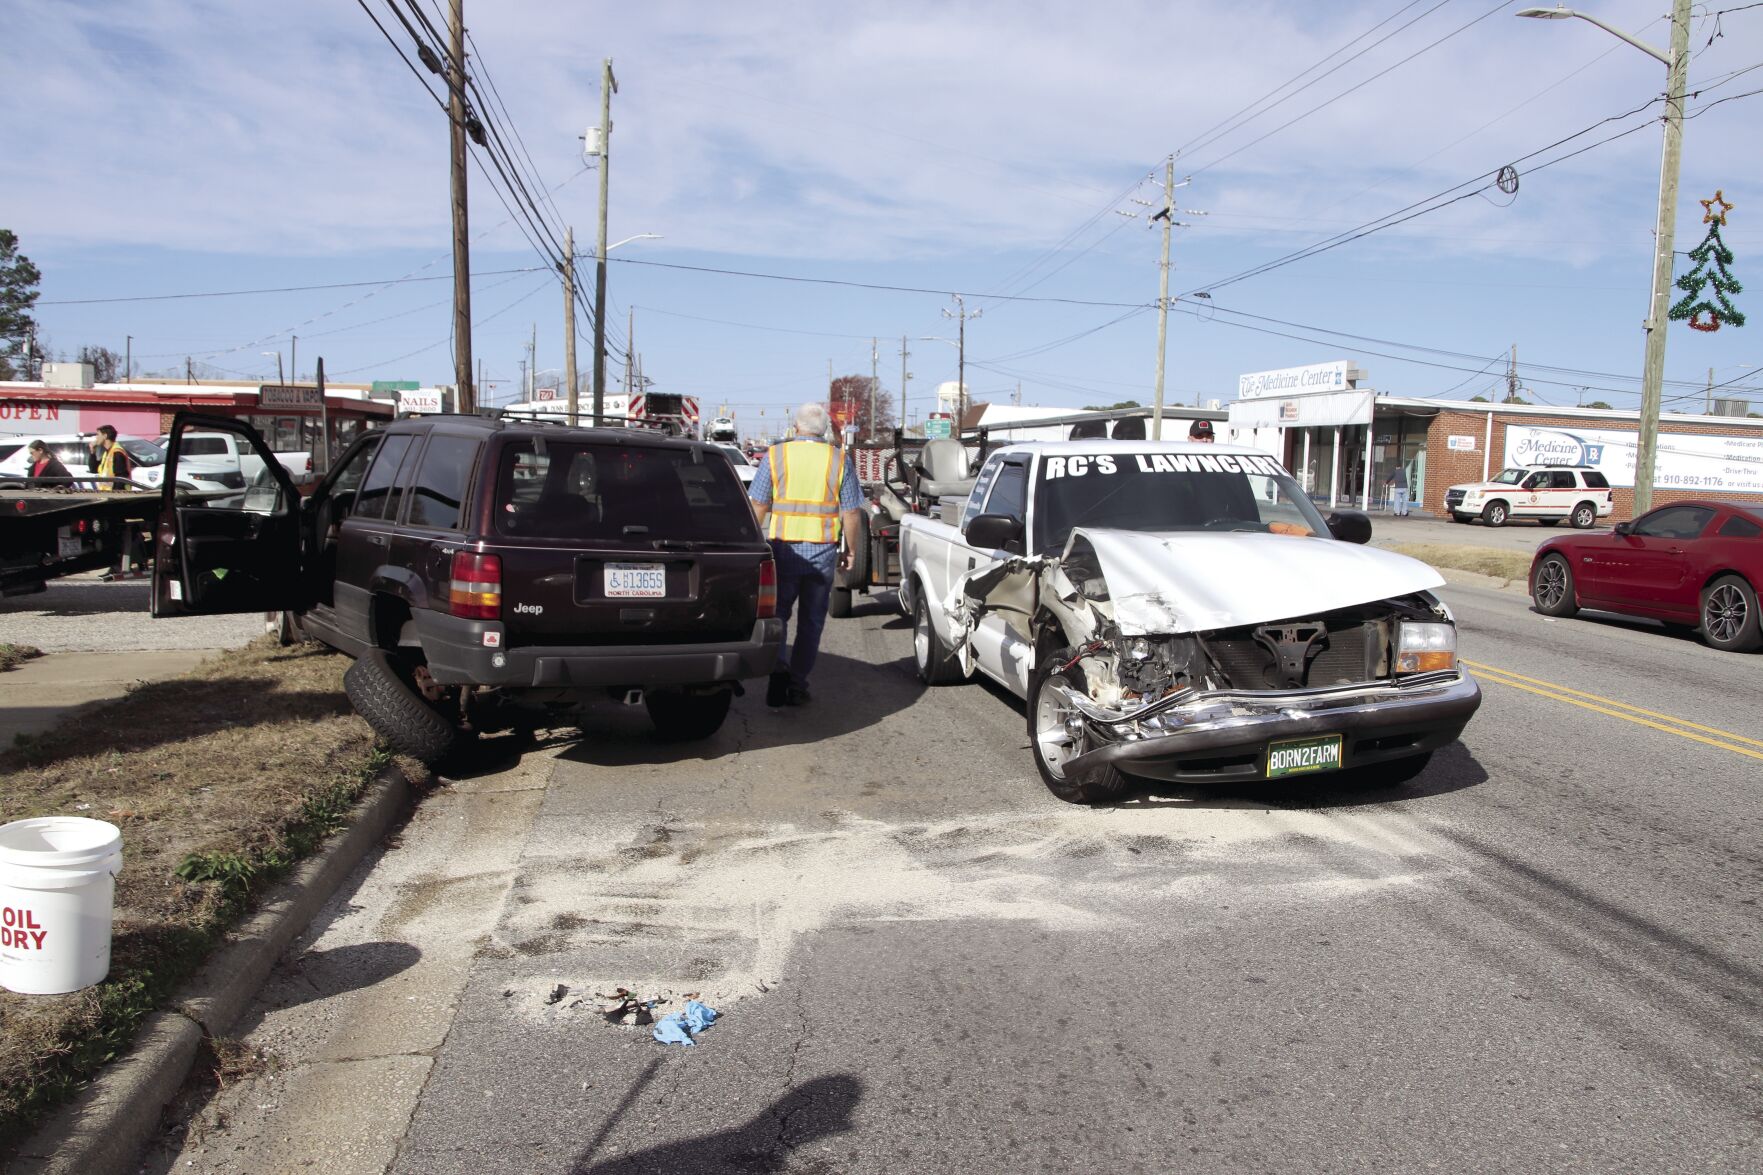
(1201, 432)
(108, 458)
(806, 499)
(1397, 481)
(46, 464)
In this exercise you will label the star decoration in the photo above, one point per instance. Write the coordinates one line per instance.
(1709, 216)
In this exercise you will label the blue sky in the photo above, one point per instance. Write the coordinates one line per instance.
(986, 148)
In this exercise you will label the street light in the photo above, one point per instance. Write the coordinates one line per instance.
(278, 365)
(600, 306)
(1653, 372)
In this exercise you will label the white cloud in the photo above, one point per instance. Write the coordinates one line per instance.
(812, 130)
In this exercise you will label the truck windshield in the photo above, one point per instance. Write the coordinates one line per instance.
(586, 491)
(1510, 477)
(1168, 492)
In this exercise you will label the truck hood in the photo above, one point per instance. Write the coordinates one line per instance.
(1197, 582)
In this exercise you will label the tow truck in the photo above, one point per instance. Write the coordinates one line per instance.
(56, 526)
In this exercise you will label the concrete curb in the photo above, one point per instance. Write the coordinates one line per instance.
(1463, 578)
(103, 1130)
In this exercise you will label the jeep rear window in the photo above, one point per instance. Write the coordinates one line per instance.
(588, 491)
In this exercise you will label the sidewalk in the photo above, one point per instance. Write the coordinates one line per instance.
(41, 692)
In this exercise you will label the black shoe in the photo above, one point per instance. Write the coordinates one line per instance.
(798, 695)
(777, 691)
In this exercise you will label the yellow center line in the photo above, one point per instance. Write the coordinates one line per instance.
(1618, 705)
(1487, 674)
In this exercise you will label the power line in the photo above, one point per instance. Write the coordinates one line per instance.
(828, 281)
(277, 289)
(438, 342)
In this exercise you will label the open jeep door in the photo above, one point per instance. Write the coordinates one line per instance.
(238, 551)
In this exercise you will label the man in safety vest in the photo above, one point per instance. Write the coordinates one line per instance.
(805, 497)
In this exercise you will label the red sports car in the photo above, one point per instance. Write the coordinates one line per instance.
(1690, 564)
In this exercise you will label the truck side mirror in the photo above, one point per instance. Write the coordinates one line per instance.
(993, 532)
(1349, 526)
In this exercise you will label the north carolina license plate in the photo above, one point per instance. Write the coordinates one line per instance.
(66, 548)
(636, 580)
(1300, 756)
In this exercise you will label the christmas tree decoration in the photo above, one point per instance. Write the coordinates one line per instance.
(1712, 258)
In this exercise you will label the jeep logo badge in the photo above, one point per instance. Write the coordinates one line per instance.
(529, 609)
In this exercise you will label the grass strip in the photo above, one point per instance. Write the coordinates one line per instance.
(221, 780)
(1507, 565)
(12, 656)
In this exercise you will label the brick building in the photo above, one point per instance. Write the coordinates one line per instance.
(1342, 438)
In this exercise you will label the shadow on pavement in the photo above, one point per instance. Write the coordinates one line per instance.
(1452, 769)
(69, 598)
(814, 1110)
(350, 968)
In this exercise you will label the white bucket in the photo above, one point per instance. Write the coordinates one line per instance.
(57, 881)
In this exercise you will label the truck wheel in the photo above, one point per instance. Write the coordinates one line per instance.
(1055, 739)
(839, 606)
(858, 576)
(1585, 516)
(1495, 513)
(683, 717)
(383, 690)
(936, 664)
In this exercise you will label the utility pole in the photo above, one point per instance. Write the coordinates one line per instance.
(608, 87)
(461, 235)
(904, 376)
(294, 357)
(630, 354)
(1708, 408)
(128, 361)
(324, 421)
(1653, 374)
(523, 392)
(874, 382)
(532, 367)
(962, 314)
(1168, 215)
(1512, 376)
(480, 379)
(569, 324)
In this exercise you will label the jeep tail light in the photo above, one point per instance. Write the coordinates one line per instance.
(767, 589)
(476, 588)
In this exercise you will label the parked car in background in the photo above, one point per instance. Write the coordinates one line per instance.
(1693, 565)
(219, 450)
(74, 450)
(475, 568)
(745, 467)
(1578, 494)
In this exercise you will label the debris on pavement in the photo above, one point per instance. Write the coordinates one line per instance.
(628, 1003)
(557, 993)
(680, 1027)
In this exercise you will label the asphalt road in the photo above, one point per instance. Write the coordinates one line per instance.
(1541, 955)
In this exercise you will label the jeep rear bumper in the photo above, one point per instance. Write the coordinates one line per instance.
(457, 655)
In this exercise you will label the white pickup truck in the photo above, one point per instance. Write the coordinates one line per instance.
(1182, 612)
(218, 449)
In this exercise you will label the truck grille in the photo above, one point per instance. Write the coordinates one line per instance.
(1453, 498)
(1352, 653)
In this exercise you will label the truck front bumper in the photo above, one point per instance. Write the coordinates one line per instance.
(457, 655)
(1225, 737)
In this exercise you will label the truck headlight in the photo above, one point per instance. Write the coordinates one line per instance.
(1425, 647)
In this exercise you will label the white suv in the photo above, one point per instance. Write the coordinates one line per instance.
(1574, 492)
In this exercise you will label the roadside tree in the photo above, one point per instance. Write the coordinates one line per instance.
(18, 296)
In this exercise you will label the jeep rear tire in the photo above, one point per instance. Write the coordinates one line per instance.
(683, 717)
(382, 689)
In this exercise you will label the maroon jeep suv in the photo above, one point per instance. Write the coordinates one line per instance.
(474, 566)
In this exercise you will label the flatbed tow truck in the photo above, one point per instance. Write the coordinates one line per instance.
(51, 527)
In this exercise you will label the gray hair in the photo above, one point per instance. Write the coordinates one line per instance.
(811, 420)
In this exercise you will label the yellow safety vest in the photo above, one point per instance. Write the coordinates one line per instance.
(107, 467)
(806, 479)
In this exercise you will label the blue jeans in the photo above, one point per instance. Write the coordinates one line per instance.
(805, 580)
(1399, 500)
